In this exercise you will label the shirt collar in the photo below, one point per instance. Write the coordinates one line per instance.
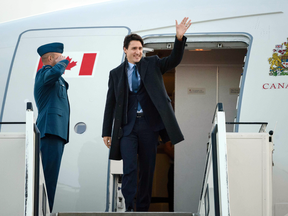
(130, 65)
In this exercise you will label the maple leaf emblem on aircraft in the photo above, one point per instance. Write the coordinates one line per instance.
(71, 64)
(83, 64)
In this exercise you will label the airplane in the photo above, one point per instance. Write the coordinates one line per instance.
(235, 54)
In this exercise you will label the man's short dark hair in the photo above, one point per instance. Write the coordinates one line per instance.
(130, 38)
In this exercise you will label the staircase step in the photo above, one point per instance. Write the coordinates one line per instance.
(124, 214)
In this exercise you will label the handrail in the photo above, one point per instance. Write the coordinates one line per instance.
(217, 156)
(36, 176)
(213, 152)
(12, 122)
(215, 170)
(247, 123)
(262, 128)
(219, 107)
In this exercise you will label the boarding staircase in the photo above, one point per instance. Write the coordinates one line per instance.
(238, 172)
(22, 184)
(20, 159)
(221, 195)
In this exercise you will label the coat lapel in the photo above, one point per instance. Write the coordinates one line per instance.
(123, 90)
(142, 67)
(122, 77)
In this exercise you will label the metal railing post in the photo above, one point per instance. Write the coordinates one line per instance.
(32, 151)
(29, 162)
(37, 170)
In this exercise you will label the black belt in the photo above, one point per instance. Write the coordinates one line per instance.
(139, 115)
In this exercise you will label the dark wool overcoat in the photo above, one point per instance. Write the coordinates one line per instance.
(150, 70)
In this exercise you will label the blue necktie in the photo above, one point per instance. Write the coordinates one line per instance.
(135, 85)
(134, 79)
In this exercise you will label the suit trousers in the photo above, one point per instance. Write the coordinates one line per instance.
(142, 141)
(51, 148)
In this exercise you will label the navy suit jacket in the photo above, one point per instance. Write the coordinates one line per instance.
(150, 70)
(50, 93)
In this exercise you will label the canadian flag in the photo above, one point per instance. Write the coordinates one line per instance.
(81, 64)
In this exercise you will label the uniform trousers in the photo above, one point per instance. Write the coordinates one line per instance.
(51, 151)
(142, 141)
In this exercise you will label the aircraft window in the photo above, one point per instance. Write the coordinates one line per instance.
(80, 127)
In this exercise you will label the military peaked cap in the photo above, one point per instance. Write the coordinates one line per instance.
(51, 47)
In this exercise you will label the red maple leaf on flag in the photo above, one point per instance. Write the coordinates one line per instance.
(71, 64)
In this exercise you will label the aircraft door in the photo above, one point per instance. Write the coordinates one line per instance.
(92, 52)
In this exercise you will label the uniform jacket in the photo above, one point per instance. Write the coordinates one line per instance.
(150, 70)
(50, 93)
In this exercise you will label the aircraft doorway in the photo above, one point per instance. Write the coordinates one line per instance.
(163, 182)
(203, 78)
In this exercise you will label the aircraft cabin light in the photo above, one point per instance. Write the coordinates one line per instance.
(200, 50)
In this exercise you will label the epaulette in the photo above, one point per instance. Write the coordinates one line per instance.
(47, 66)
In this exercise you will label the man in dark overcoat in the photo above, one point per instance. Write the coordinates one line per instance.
(50, 93)
(139, 110)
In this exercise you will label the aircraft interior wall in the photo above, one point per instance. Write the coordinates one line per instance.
(201, 80)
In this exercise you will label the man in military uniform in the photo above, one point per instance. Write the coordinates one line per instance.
(50, 93)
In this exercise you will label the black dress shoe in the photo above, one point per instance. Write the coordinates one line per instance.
(129, 210)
